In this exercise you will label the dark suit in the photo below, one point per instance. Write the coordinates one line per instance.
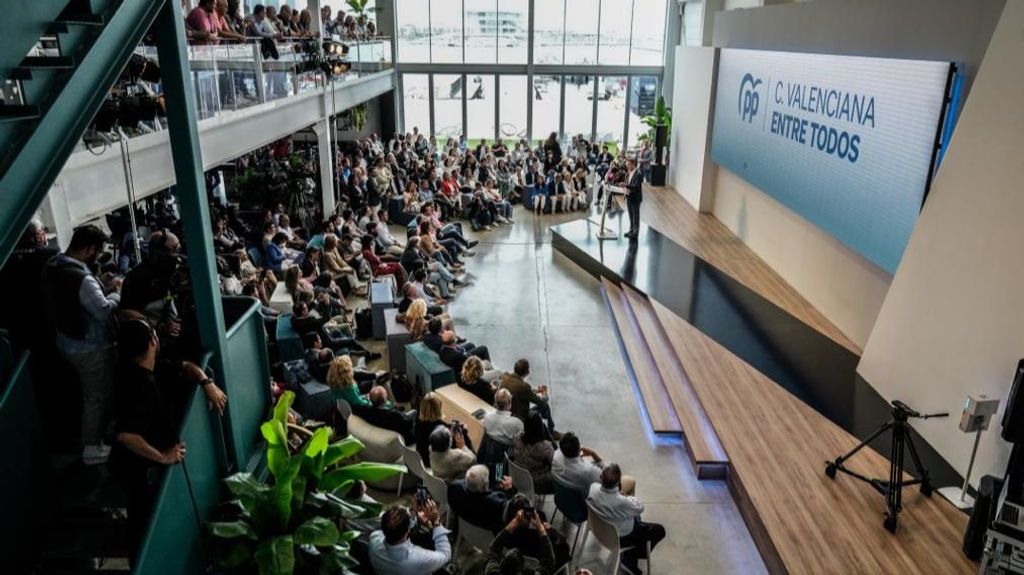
(635, 185)
(484, 510)
(390, 419)
(433, 341)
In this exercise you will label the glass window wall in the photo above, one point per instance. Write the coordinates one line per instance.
(647, 45)
(615, 31)
(482, 23)
(513, 23)
(414, 31)
(445, 30)
(579, 106)
(416, 103)
(480, 103)
(549, 33)
(581, 31)
(447, 95)
(547, 100)
(611, 110)
(512, 108)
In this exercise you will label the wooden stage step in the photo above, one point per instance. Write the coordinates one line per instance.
(655, 397)
(702, 442)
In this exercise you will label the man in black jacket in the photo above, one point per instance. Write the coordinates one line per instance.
(379, 414)
(472, 499)
(635, 185)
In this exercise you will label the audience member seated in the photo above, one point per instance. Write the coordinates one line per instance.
(471, 378)
(381, 414)
(379, 267)
(623, 511)
(450, 457)
(454, 354)
(342, 379)
(338, 338)
(524, 398)
(416, 319)
(535, 453)
(318, 358)
(501, 425)
(392, 552)
(428, 417)
(149, 396)
(571, 466)
(473, 500)
(527, 544)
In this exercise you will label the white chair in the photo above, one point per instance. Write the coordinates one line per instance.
(439, 491)
(523, 482)
(414, 463)
(606, 535)
(477, 537)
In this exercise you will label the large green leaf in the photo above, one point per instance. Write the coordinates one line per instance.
(318, 531)
(366, 471)
(343, 449)
(352, 508)
(336, 560)
(232, 529)
(282, 407)
(276, 556)
(277, 459)
(246, 489)
(318, 443)
(274, 432)
(283, 492)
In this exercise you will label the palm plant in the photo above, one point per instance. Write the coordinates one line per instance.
(662, 117)
(358, 6)
(296, 523)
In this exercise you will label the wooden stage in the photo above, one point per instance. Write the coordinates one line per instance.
(775, 444)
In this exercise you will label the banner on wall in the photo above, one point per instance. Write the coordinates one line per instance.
(846, 142)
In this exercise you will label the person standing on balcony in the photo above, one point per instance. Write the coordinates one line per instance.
(83, 315)
(228, 27)
(202, 25)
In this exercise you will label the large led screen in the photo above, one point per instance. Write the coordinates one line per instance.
(846, 142)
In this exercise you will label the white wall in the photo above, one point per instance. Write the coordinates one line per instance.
(691, 171)
(952, 321)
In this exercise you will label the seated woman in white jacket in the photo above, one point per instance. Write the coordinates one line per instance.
(449, 456)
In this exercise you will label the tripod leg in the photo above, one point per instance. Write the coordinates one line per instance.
(926, 484)
(839, 460)
(895, 487)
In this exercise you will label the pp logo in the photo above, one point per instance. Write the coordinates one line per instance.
(749, 100)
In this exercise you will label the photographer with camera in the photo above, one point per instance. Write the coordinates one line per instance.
(393, 553)
(449, 456)
(526, 545)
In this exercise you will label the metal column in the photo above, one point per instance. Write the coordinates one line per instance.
(322, 129)
(191, 185)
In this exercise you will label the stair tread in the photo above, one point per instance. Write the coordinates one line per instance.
(48, 62)
(18, 112)
(700, 434)
(655, 397)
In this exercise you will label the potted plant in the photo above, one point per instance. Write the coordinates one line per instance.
(296, 523)
(659, 127)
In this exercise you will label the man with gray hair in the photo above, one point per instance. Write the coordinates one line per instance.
(501, 425)
(473, 500)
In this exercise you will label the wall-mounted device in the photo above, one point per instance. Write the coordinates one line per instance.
(977, 415)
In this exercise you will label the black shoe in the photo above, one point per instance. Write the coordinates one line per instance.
(370, 356)
(473, 243)
(460, 340)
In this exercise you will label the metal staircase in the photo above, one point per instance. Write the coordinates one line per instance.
(59, 59)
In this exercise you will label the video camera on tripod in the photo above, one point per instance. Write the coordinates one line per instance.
(892, 488)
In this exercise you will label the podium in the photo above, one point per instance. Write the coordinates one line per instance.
(604, 232)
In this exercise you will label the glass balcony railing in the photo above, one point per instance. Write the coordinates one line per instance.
(229, 77)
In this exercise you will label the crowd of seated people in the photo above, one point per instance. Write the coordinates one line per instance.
(324, 268)
(213, 22)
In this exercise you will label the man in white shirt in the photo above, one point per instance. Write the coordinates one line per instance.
(571, 467)
(391, 551)
(385, 240)
(501, 425)
(623, 512)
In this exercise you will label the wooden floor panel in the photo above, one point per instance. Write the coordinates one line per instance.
(709, 239)
(652, 389)
(698, 431)
(804, 522)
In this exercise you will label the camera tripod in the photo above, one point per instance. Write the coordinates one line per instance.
(891, 489)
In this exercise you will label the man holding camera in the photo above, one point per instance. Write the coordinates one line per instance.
(392, 552)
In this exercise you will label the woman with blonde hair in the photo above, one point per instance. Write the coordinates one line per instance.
(341, 378)
(472, 380)
(416, 319)
(430, 415)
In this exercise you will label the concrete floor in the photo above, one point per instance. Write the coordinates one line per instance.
(528, 301)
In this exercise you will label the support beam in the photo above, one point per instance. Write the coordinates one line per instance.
(191, 185)
(325, 149)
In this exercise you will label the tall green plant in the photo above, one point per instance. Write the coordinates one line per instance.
(295, 523)
(662, 116)
(358, 6)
